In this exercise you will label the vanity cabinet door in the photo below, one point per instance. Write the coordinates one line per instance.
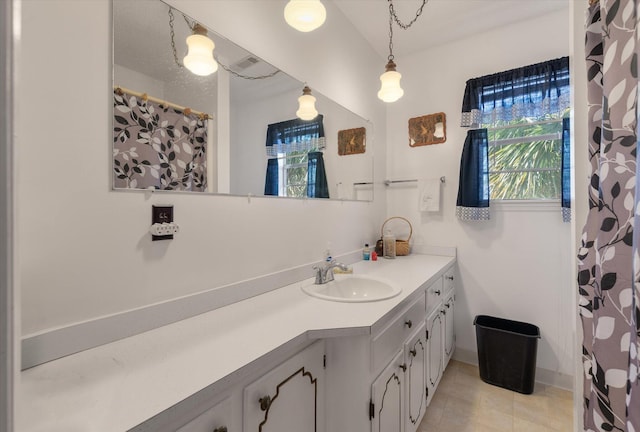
(449, 333)
(415, 355)
(435, 345)
(289, 397)
(386, 409)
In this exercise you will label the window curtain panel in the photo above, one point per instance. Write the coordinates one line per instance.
(295, 135)
(529, 91)
(157, 147)
(271, 185)
(473, 188)
(608, 258)
(565, 171)
(316, 177)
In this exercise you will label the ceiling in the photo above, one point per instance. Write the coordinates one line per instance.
(442, 21)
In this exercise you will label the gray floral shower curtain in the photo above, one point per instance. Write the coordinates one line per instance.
(608, 259)
(157, 147)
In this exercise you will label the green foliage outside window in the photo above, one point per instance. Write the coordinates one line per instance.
(528, 170)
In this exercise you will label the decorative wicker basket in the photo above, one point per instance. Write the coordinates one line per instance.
(402, 246)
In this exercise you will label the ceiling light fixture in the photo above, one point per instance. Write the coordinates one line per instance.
(305, 15)
(390, 90)
(199, 58)
(306, 105)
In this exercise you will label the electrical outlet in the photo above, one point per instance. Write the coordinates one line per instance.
(159, 215)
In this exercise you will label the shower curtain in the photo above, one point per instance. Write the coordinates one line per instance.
(608, 260)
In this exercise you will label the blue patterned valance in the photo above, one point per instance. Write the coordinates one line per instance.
(529, 91)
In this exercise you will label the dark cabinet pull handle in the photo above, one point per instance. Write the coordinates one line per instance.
(220, 429)
(265, 403)
(408, 323)
(437, 292)
(403, 367)
(449, 277)
(448, 305)
(413, 352)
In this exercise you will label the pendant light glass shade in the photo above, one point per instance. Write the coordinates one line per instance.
(390, 90)
(199, 58)
(307, 105)
(305, 15)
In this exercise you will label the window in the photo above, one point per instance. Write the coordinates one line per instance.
(518, 146)
(296, 167)
(522, 110)
(525, 159)
(292, 174)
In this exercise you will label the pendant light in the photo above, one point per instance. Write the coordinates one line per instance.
(307, 105)
(204, 47)
(305, 15)
(390, 90)
(199, 58)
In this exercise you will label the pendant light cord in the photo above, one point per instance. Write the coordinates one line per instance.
(394, 17)
(390, 58)
(392, 12)
(222, 65)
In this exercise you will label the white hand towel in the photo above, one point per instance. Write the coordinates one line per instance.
(429, 195)
(343, 192)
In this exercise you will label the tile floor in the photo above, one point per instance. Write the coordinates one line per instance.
(464, 403)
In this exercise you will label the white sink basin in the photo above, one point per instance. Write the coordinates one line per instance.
(353, 289)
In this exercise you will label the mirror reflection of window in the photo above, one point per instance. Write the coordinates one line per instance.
(296, 164)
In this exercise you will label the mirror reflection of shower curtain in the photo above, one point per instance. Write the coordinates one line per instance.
(156, 146)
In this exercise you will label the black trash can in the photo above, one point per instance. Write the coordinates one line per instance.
(507, 352)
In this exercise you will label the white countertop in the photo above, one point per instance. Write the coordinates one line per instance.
(119, 385)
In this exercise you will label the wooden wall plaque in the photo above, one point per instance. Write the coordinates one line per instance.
(352, 141)
(428, 129)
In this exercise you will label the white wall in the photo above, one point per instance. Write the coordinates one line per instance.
(84, 250)
(518, 264)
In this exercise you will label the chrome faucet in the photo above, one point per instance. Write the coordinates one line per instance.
(324, 273)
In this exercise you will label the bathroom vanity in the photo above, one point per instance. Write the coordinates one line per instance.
(284, 361)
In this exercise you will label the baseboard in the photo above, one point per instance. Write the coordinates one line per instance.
(543, 376)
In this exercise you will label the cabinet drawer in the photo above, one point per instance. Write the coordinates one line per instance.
(215, 419)
(449, 282)
(386, 343)
(434, 294)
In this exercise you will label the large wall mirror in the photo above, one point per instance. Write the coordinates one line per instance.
(178, 131)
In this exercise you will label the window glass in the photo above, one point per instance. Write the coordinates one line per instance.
(525, 159)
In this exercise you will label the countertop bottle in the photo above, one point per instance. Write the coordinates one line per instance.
(366, 252)
(389, 245)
